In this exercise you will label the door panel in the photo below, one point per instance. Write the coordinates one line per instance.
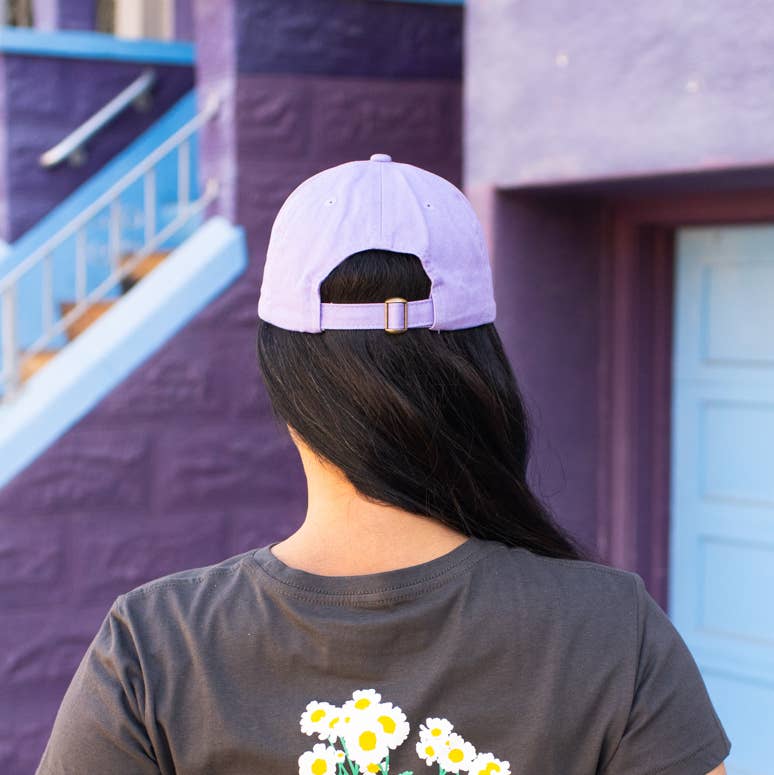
(722, 496)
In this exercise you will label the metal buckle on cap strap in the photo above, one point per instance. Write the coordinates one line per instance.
(387, 315)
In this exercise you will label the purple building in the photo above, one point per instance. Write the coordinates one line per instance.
(619, 159)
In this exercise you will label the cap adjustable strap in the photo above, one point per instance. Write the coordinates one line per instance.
(394, 315)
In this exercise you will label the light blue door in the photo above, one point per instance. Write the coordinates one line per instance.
(721, 595)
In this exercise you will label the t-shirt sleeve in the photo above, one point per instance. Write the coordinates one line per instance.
(672, 727)
(99, 725)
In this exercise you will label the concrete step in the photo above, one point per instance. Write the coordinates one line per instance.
(144, 267)
(35, 362)
(93, 311)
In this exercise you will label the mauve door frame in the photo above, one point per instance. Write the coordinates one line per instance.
(636, 306)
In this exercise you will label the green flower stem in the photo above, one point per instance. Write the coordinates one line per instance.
(355, 769)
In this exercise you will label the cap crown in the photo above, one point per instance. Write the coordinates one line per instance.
(382, 204)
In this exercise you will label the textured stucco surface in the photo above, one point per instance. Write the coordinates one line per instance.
(178, 468)
(183, 465)
(184, 23)
(547, 288)
(564, 91)
(3, 157)
(45, 99)
(377, 39)
(65, 14)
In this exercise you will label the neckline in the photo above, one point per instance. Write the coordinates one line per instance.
(385, 586)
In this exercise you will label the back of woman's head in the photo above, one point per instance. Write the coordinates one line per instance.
(431, 422)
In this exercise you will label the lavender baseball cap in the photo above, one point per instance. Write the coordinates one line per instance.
(384, 204)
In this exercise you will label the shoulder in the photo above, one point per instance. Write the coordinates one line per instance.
(567, 600)
(192, 576)
(577, 581)
(181, 593)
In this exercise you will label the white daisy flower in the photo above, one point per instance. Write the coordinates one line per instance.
(392, 719)
(436, 729)
(335, 726)
(371, 767)
(427, 750)
(486, 764)
(365, 740)
(316, 718)
(363, 700)
(340, 755)
(456, 754)
(321, 760)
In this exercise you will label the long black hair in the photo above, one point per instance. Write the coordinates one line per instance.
(429, 421)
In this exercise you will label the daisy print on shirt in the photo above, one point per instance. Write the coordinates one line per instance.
(367, 729)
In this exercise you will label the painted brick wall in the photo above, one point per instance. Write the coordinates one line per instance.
(183, 465)
(48, 97)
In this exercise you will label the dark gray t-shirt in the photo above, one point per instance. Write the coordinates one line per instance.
(488, 659)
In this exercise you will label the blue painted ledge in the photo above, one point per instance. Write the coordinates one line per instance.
(76, 44)
(135, 327)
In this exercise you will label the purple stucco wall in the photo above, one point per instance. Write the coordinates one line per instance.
(184, 22)
(216, 77)
(64, 14)
(547, 287)
(183, 464)
(3, 156)
(600, 89)
(571, 110)
(48, 97)
(172, 470)
(376, 39)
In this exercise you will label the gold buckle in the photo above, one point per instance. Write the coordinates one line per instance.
(387, 315)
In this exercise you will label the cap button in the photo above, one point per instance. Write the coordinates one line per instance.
(380, 157)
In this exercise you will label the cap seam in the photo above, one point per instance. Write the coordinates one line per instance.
(381, 203)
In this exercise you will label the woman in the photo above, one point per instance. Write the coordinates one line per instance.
(429, 615)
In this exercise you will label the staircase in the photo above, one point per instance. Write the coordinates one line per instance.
(123, 333)
(106, 279)
(30, 364)
(51, 295)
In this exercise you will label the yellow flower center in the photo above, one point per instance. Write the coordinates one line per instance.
(456, 755)
(388, 724)
(429, 750)
(367, 740)
(362, 703)
(319, 767)
(317, 714)
(374, 768)
(333, 722)
(435, 731)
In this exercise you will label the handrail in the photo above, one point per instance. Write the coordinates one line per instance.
(72, 145)
(109, 202)
(124, 269)
(112, 193)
